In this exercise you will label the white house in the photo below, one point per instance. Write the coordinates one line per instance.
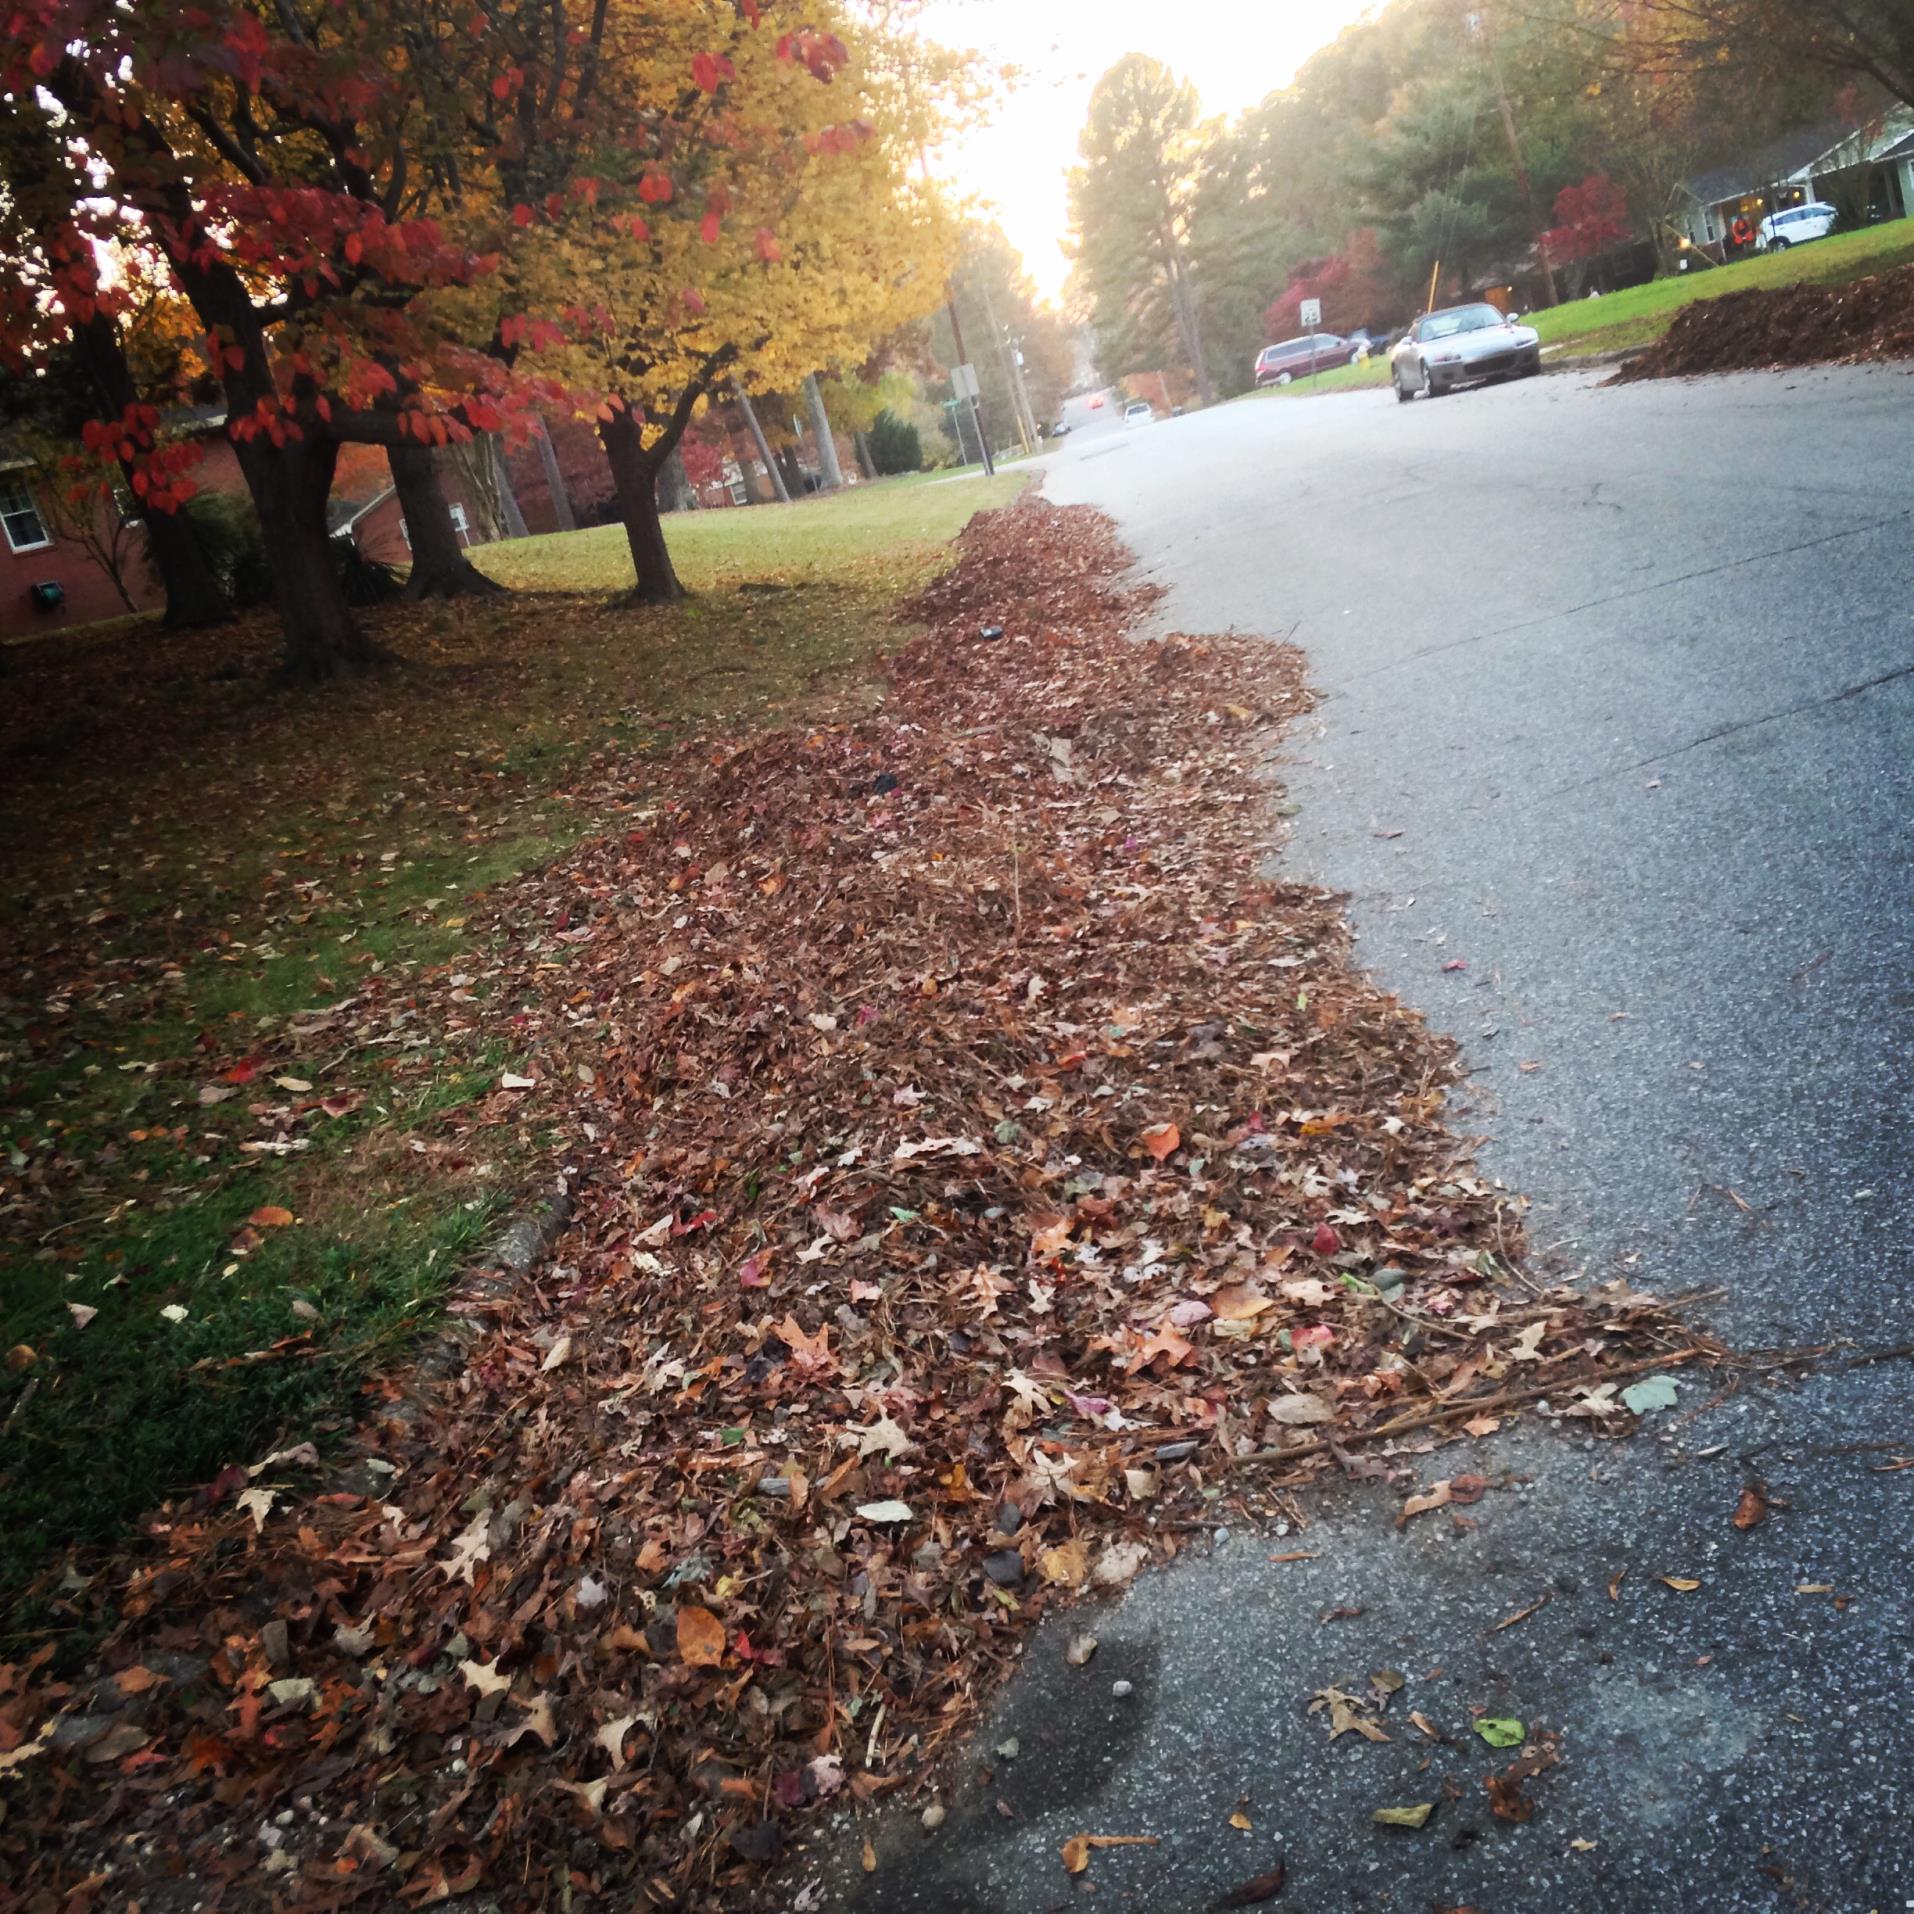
(1867, 170)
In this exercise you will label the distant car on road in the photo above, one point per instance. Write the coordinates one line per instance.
(1061, 430)
(1139, 412)
(1315, 352)
(1795, 227)
(1462, 345)
(1096, 403)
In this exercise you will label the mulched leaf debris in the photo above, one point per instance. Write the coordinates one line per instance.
(977, 1156)
(1765, 327)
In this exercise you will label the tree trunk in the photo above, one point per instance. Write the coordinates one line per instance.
(830, 474)
(508, 506)
(555, 481)
(674, 482)
(194, 595)
(865, 463)
(290, 484)
(763, 444)
(790, 472)
(440, 568)
(634, 476)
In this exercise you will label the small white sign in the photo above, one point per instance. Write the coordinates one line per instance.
(963, 381)
(1312, 314)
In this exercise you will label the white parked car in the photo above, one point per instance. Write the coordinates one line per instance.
(1795, 227)
(1462, 345)
(1138, 412)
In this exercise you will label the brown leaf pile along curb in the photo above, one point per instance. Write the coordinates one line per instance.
(979, 1156)
(1764, 326)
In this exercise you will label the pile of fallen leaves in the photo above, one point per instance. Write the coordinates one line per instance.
(1761, 327)
(983, 1171)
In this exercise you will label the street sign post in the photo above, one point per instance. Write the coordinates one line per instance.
(963, 382)
(1311, 317)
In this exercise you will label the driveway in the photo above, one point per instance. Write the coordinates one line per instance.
(1618, 713)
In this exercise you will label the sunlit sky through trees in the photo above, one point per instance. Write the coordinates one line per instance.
(1235, 51)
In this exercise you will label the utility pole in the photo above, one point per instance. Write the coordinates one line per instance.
(1486, 27)
(1013, 377)
(975, 400)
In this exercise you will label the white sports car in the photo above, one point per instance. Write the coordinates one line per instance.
(1462, 345)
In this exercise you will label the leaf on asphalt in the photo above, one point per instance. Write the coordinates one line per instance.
(1426, 1726)
(1682, 1584)
(1254, 1892)
(1437, 1496)
(1077, 1850)
(700, 1638)
(1080, 1650)
(1615, 1582)
(1752, 1510)
(1347, 1714)
(1500, 1731)
(1415, 1817)
(1650, 1394)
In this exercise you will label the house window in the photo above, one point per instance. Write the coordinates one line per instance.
(736, 488)
(26, 531)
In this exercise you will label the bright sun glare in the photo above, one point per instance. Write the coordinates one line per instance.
(1236, 52)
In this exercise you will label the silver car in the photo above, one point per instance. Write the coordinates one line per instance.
(1462, 345)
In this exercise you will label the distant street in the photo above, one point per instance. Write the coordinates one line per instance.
(1616, 759)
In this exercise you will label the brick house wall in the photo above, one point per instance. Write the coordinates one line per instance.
(30, 555)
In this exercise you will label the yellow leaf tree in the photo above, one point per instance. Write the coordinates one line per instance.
(799, 239)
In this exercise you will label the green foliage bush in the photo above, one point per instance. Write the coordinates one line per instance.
(895, 445)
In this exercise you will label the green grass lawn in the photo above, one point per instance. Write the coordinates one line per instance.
(199, 865)
(866, 532)
(1617, 321)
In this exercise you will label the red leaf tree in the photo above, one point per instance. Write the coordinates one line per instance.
(1355, 286)
(1589, 219)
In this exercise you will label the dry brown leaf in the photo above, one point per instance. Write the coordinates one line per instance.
(700, 1638)
(1077, 1850)
(1752, 1510)
(1438, 1496)
(1239, 1302)
(1162, 1140)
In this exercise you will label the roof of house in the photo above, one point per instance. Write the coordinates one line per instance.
(342, 514)
(1778, 160)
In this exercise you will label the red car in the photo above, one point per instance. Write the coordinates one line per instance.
(1299, 358)
(1096, 404)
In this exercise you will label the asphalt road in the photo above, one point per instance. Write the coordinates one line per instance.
(1618, 709)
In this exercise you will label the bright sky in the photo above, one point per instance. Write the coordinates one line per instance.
(1236, 52)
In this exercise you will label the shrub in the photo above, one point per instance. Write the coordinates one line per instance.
(895, 445)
